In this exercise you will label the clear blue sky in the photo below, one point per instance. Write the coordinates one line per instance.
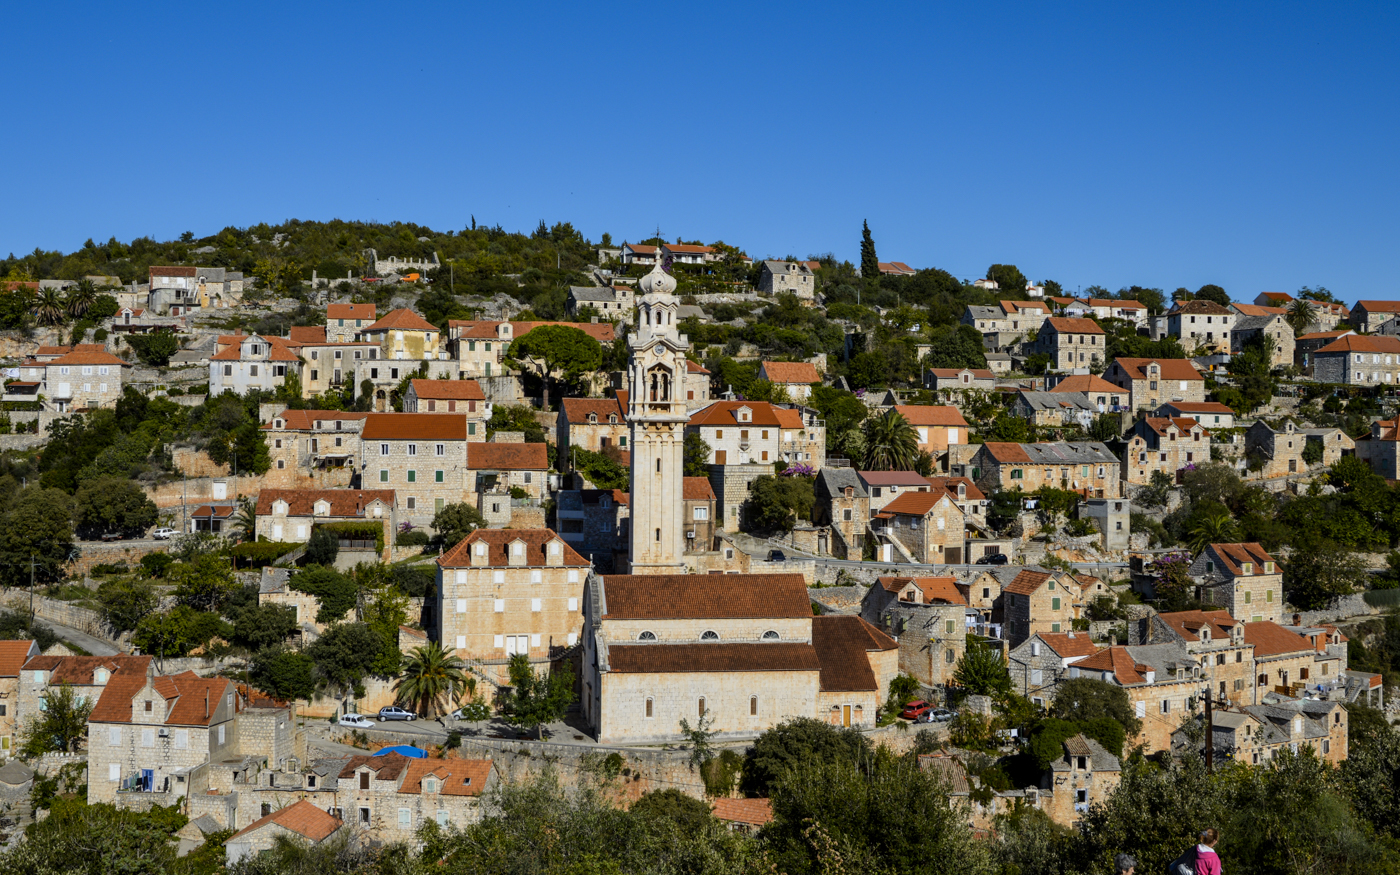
(1253, 146)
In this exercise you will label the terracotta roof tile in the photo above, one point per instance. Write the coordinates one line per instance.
(1257, 310)
(301, 817)
(1210, 308)
(1118, 661)
(386, 767)
(712, 657)
(298, 334)
(114, 705)
(791, 372)
(929, 414)
(497, 542)
(1069, 644)
(305, 420)
(705, 596)
(1183, 425)
(1271, 639)
(915, 503)
(190, 705)
(1086, 383)
(1172, 369)
(455, 776)
(576, 410)
(507, 457)
(755, 812)
(1007, 453)
(13, 656)
(79, 669)
(893, 478)
(351, 311)
(689, 248)
(1071, 325)
(950, 373)
(1027, 582)
(1363, 343)
(1232, 555)
(173, 271)
(1326, 335)
(951, 484)
(693, 368)
(1188, 624)
(343, 502)
(415, 427)
(402, 319)
(934, 589)
(87, 357)
(1380, 306)
(726, 413)
(1199, 407)
(696, 489)
(448, 390)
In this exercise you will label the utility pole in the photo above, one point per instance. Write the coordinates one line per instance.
(31, 587)
(1210, 736)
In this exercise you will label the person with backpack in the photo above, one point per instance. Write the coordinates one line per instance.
(1207, 861)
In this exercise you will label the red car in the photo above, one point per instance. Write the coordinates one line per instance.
(915, 709)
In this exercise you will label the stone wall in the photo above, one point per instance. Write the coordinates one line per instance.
(73, 616)
(1346, 606)
(93, 553)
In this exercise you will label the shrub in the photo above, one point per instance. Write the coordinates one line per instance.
(105, 568)
(256, 554)
(415, 538)
(174, 391)
(518, 492)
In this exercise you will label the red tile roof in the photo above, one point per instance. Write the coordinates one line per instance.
(479, 329)
(455, 776)
(1326, 335)
(696, 489)
(1071, 325)
(1188, 624)
(842, 642)
(893, 478)
(1183, 424)
(1282, 297)
(1380, 306)
(1069, 644)
(576, 410)
(1117, 660)
(278, 350)
(301, 817)
(190, 699)
(705, 596)
(79, 669)
(1363, 343)
(693, 368)
(1232, 555)
(951, 484)
(928, 414)
(172, 271)
(1271, 639)
(915, 503)
(756, 812)
(1172, 369)
(689, 248)
(1199, 407)
(304, 420)
(1027, 582)
(726, 413)
(13, 656)
(87, 357)
(415, 427)
(498, 543)
(1007, 453)
(1086, 383)
(1202, 307)
(507, 457)
(222, 511)
(791, 372)
(386, 767)
(402, 319)
(718, 657)
(298, 334)
(351, 311)
(1257, 310)
(448, 390)
(343, 502)
(950, 373)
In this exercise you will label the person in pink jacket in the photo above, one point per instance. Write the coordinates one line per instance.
(1207, 861)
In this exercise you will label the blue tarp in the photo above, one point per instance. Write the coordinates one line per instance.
(407, 750)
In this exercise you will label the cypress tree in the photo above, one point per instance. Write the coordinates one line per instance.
(869, 265)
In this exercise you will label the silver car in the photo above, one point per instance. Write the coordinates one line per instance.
(394, 712)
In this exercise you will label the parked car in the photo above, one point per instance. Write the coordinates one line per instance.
(164, 533)
(938, 715)
(993, 559)
(359, 721)
(915, 709)
(776, 556)
(113, 536)
(394, 712)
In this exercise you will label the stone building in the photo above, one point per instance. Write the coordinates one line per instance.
(885, 486)
(1106, 397)
(1162, 682)
(86, 675)
(1039, 663)
(609, 302)
(1086, 467)
(759, 433)
(290, 515)
(344, 322)
(1072, 344)
(1241, 578)
(593, 424)
(175, 291)
(857, 661)
(959, 379)
(1370, 315)
(1381, 448)
(794, 277)
(274, 588)
(927, 525)
(700, 513)
(319, 446)
(301, 821)
(503, 592)
(1039, 601)
(1153, 382)
(1253, 734)
(843, 503)
(1358, 360)
(1273, 326)
(1211, 414)
(1278, 451)
(87, 378)
(1305, 346)
(927, 617)
(391, 800)
(420, 457)
(938, 427)
(13, 656)
(1166, 445)
(697, 386)
(1288, 659)
(1218, 641)
(403, 334)
(1086, 775)
(1054, 409)
(251, 362)
(327, 365)
(594, 523)
(1201, 325)
(462, 397)
(479, 346)
(795, 378)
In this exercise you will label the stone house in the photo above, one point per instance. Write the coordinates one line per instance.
(449, 792)
(175, 291)
(318, 444)
(1054, 409)
(1166, 445)
(1024, 316)
(1253, 734)
(1211, 414)
(610, 302)
(420, 457)
(1334, 442)
(1358, 360)
(1037, 664)
(927, 524)
(1288, 659)
(794, 277)
(594, 523)
(290, 515)
(147, 734)
(1201, 325)
(969, 499)
(1280, 450)
(882, 487)
(927, 617)
(1072, 344)
(1381, 448)
(843, 504)
(697, 386)
(1038, 601)
(87, 675)
(274, 588)
(480, 346)
(1241, 578)
(86, 378)
(738, 649)
(1217, 640)
(1086, 467)
(1370, 315)
(699, 513)
(939, 427)
(756, 432)
(326, 366)
(251, 362)
(796, 378)
(1106, 397)
(1086, 775)
(593, 424)
(344, 322)
(13, 656)
(301, 821)
(943, 379)
(1272, 325)
(1153, 382)
(504, 465)
(1305, 346)
(744, 815)
(508, 591)
(988, 320)
(403, 334)
(463, 397)
(1161, 680)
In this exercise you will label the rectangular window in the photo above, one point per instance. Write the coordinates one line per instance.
(182, 739)
(499, 606)
(114, 735)
(536, 605)
(383, 475)
(405, 818)
(148, 738)
(1055, 604)
(437, 476)
(573, 604)
(413, 449)
(221, 735)
(412, 476)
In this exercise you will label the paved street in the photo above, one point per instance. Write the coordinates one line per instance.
(94, 646)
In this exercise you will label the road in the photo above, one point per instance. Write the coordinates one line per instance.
(95, 646)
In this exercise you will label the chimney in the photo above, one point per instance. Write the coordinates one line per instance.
(1071, 633)
(1151, 676)
(1297, 619)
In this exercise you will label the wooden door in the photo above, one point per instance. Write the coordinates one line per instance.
(845, 715)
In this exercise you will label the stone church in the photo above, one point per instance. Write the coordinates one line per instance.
(736, 653)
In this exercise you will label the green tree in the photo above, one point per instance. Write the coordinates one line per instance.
(533, 700)
(345, 655)
(38, 527)
(48, 307)
(205, 583)
(455, 521)
(891, 443)
(1299, 317)
(1009, 429)
(335, 592)
(1084, 700)
(1106, 427)
(777, 503)
(697, 455)
(61, 724)
(111, 504)
(558, 352)
(384, 608)
(322, 547)
(125, 601)
(258, 626)
(600, 469)
(959, 347)
(776, 753)
(1319, 570)
(80, 298)
(1210, 292)
(283, 674)
(154, 349)
(1007, 277)
(868, 370)
(245, 520)
(869, 264)
(686, 812)
(981, 670)
(1218, 527)
(432, 681)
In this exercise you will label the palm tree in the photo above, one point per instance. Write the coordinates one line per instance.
(80, 298)
(245, 521)
(1216, 528)
(431, 677)
(48, 307)
(891, 444)
(1299, 316)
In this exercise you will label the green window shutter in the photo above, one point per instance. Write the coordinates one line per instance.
(383, 476)
(471, 346)
(1054, 603)
(622, 441)
(471, 428)
(437, 477)
(412, 476)
(342, 323)
(1054, 627)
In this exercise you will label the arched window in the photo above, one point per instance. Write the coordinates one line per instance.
(702, 706)
(770, 635)
(658, 536)
(753, 706)
(647, 636)
(709, 635)
(648, 706)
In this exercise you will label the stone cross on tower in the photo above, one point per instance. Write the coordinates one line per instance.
(657, 415)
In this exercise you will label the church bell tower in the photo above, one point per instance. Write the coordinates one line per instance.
(657, 414)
